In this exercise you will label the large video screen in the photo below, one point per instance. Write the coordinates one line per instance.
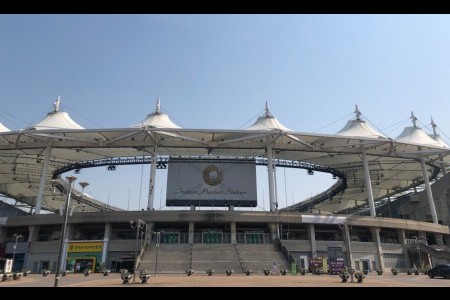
(211, 183)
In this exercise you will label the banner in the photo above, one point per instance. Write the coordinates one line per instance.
(85, 247)
(8, 266)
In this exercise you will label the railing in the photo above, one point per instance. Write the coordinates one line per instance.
(225, 238)
(241, 260)
(415, 241)
(190, 257)
(161, 163)
(438, 252)
(285, 252)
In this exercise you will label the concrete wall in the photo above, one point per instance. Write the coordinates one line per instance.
(392, 248)
(44, 247)
(364, 247)
(21, 247)
(244, 219)
(241, 217)
(35, 261)
(416, 205)
(323, 245)
(121, 245)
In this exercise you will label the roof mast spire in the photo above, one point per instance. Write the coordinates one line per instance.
(357, 113)
(434, 127)
(57, 104)
(414, 119)
(266, 111)
(158, 106)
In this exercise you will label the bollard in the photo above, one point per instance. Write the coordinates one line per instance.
(6, 276)
(144, 277)
(126, 278)
(359, 276)
(344, 276)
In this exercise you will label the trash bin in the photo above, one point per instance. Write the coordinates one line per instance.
(293, 268)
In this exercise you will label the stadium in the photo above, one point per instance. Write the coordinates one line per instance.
(388, 207)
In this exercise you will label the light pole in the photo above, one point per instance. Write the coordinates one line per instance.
(70, 180)
(83, 185)
(158, 240)
(138, 224)
(418, 251)
(14, 252)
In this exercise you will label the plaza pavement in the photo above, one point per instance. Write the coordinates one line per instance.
(221, 280)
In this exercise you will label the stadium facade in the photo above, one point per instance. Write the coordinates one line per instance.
(389, 206)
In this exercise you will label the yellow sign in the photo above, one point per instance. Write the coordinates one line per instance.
(85, 247)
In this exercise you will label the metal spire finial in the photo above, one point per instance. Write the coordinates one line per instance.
(414, 119)
(57, 104)
(266, 111)
(357, 113)
(433, 125)
(158, 106)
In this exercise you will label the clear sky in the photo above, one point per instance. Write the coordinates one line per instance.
(217, 71)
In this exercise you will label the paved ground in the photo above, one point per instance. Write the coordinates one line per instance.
(235, 280)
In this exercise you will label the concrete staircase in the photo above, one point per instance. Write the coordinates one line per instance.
(258, 257)
(172, 258)
(219, 257)
(177, 258)
(440, 252)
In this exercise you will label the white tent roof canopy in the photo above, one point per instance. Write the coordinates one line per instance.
(439, 140)
(435, 136)
(359, 127)
(157, 119)
(415, 135)
(392, 163)
(56, 119)
(3, 128)
(267, 122)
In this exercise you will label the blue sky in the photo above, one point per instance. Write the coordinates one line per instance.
(216, 71)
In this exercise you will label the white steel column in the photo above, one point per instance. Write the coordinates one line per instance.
(233, 232)
(272, 198)
(151, 191)
(191, 233)
(106, 238)
(376, 237)
(402, 240)
(428, 189)
(312, 239)
(348, 243)
(43, 181)
(368, 185)
(275, 186)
